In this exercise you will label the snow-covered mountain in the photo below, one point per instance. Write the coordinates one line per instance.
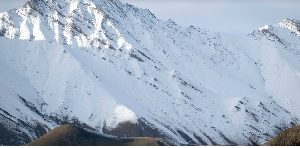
(116, 69)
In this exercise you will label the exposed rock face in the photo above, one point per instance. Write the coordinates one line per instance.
(107, 66)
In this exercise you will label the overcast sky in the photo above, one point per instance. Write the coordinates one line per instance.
(228, 16)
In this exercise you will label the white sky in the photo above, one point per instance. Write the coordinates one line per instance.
(228, 16)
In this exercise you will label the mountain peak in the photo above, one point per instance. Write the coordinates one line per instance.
(103, 64)
(291, 24)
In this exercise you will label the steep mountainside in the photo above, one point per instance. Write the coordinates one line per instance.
(116, 69)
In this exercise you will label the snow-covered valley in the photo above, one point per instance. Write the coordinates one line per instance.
(101, 63)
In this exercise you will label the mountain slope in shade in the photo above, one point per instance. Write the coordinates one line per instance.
(105, 65)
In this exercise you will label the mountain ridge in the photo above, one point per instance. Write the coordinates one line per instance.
(101, 64)
(67, 135)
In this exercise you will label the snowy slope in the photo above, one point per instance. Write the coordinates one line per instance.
(103, 63)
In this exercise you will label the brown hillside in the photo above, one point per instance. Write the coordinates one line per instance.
(290, 137)
(68, 135)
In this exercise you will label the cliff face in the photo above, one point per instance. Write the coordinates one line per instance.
(100, 64)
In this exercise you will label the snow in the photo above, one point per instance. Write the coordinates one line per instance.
(108, 62)
(122, 114)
